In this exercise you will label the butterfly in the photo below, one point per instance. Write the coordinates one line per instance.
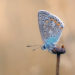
(51, 28)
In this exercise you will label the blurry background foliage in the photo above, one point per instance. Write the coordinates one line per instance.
(19, 27)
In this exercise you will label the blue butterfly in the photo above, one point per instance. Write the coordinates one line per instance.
(50, 28)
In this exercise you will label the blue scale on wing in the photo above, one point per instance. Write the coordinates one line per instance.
(51, 41)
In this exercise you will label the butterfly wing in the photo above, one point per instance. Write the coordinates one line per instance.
(50, 27)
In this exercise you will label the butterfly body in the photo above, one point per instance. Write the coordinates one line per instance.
(50, 28)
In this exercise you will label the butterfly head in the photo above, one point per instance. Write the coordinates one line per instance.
(48, 46)
(43, 47)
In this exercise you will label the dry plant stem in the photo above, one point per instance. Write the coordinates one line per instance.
(58, 52)
(58, 64)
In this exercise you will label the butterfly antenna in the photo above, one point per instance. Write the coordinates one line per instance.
(36, 48)
(33, 45)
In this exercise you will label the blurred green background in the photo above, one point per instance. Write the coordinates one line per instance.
(19, 27)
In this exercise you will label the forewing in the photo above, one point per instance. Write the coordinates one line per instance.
(50, 27)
